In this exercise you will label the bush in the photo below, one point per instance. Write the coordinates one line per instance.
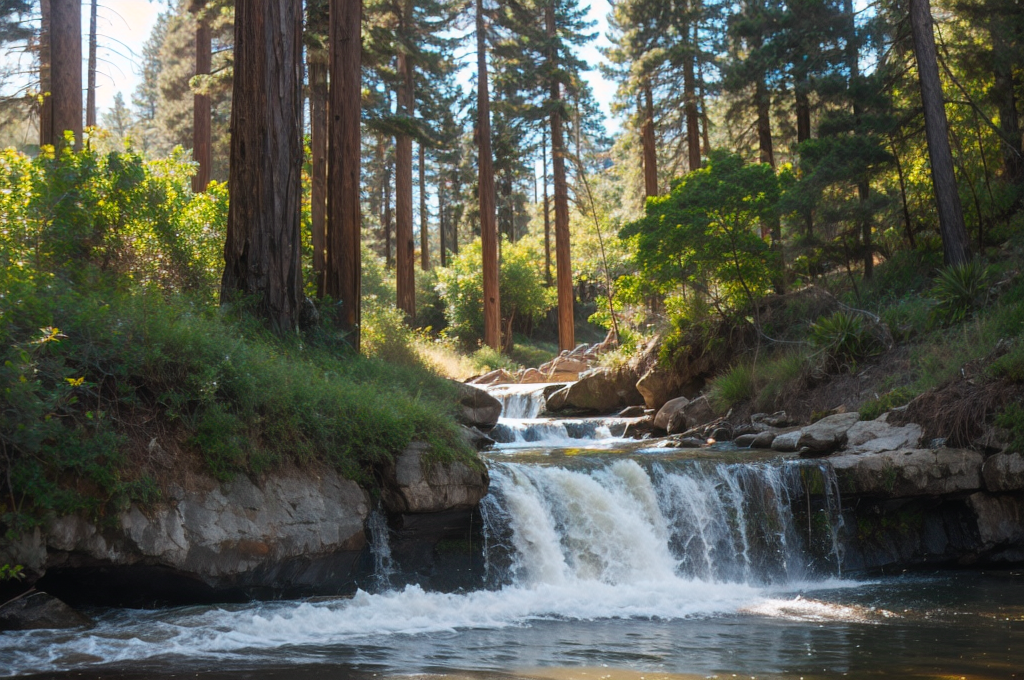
(843, 337)
(520, 286)
(960, 291)
(1012, 418)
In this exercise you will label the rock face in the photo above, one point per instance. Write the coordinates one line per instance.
(39, 610)
(422, 488)
(828, 434)
(659, 385)
(878, 435)
(476, 407)
(600, 390)
(672, 410)
(912, 472)
(1004, 472)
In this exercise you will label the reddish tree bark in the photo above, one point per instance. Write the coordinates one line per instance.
(649, 143)
(343, 274)
(66, 69)
(90, 96)
(318, 180)
(547, 211)
(45, 84)
(405, 270)
(691, 112)
(202, 146)
(262, 252)
(563, 265)
(488, 219)
(955, 244)
(424, 221)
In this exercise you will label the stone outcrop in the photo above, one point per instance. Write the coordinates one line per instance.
(1004, 472)
(878, 435)
(827, 434)
(659, 385)
(476, 407)
(672, 414)
(423, 487)
(36, 610)
(600, 390)
(907, 473)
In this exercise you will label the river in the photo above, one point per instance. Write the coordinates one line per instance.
(605, 558)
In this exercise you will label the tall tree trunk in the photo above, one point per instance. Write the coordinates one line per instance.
(955, 244)
(405, 270)
(442, 221)
(389, 260)
(566, 322)
(344, 266)
(318, 143)
(1004, 91)
(803, 133)
(488, 224)
(66, 69)
(763, 101)
(649, 143)
(424, 222)
(863, 184)
(45, 84)
(263, 247)
(907, 224)
(547, 210)
(90, 95)
(202, 147)
(691, 113)
(702, 100)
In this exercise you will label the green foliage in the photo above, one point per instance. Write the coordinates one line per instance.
(732, 387)
(1010, 365)
(1012, 418)
(893, 399)
(520, 285)
(97, 360)
(843, 336)
(11, 572)
(487, 359)
(960, 291)
(705, 234)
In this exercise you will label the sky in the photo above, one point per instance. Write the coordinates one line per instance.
(123, 26)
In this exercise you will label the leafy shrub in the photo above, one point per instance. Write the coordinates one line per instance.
(487, 359)
(907, 318)
(893, 399)
(843, 337)
(960, 291)
(385, 335)
(520, 286)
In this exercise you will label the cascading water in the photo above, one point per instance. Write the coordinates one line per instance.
(625, 522)
(520, 401)
(380, 548)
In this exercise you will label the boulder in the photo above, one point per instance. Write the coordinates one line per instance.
(639, 428)
(421, 486)
(689, 443)
(1004, 472)
(1000, 518)
(764, 420)
(34, 611)
(699, 412)
(828, 434)
(532, 375)
(631, 412)
(568, 365)
(908, 473)
(878, 435)
(787, 441)
(763, 440)
(477, 408)
(475, 438)
(496, 377)
(722, 433)
(556, 400)
(668, 411)
(658, 386)
(745, 440)
(602, 390)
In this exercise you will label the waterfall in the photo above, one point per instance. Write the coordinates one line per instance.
(380, 548)
(520, 401)
(625, 522)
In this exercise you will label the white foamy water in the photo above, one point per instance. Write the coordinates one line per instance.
(519, 401)
(607, 540)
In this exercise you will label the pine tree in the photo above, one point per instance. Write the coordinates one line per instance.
(66, 69)
(485, 188)
(201, 116)
(262, 252)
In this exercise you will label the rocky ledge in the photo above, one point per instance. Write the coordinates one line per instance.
(293, 533)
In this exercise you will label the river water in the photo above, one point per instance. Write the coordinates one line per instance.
(606, 558)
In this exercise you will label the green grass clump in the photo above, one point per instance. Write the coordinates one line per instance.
(732, 387)
(843, 337)
(873, 408)
(960, 291)
(1012, 418)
